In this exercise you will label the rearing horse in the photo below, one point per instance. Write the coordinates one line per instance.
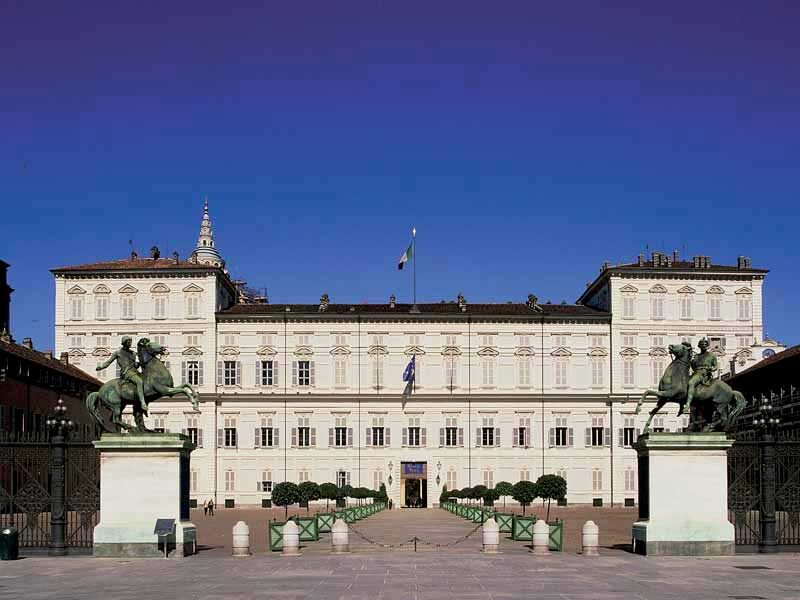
(116, 394)
(717, 405)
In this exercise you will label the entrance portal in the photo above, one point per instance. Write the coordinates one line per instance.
(414, 484)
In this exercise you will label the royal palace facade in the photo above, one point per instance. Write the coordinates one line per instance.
(503, 392)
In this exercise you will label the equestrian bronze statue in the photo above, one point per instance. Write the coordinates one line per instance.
(155, 381)
(715, 404)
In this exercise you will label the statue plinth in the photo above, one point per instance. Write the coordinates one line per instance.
(143, 477)
(683, 495)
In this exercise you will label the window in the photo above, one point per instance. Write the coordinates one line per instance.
(378, 434)
(230, 480)
(597, 341)
(76, 307)
(340, 436)
(450, 341)
(487, 369)
(743, 341)
(487, 435)
(192, 305)
(303, 373)
(102, 341)
(340, 371)
(192, 340)
(524, 372)
(686, 306)
(158, 424)
(657, 307)
(525, 474)
(714, 305)
(229, 432)
(193, 431)
(629, 340)
(192, 372)
(266, 436)
(160, 306)
(522, 433)
(524, 341)
(342, 478)
(450, 372)
(487, 339)
(159, 339)
(657, 341)
(630, 479)
(304, 436)
(265, 485)
(193, 480)
(561, 435)
(562, 472)
(377, 373)
(628, 372)
(303, 339)
(229, 339)
(560, 340)
(628, 432)
(451, 434)
(658, 425)
(598, 368)
(377, 340)
(597, 480)
(451, 480)
(597, 435)
(414, 435)
(744, 308)
(302, 475)
(414, 340)
(560, 366)
(377, 479)
(229, 372)
(340, 339)
(76, 340)
(628, 307)
(101, 307)
(717, 344)
(657, 367)
(265, 373)
(127, 306)
(488, 478)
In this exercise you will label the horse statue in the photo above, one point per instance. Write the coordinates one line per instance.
(116, 394)
(715, 406)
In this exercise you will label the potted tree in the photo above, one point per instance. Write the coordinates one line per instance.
(309, 491)
(490, 496)
(524, 492)
(285, 494)
(329, 492)
(553, 487)
(504, 489)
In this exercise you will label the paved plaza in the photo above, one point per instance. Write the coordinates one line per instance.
(376, 573)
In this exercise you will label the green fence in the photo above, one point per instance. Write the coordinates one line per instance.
(275, 535)
(556, 536)
(504, 521)
(325, 522)
(309, 532)
(522, 528)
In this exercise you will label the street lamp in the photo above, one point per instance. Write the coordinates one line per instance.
(438, 472)
(391, 466)
(766, 422)
(59, 427)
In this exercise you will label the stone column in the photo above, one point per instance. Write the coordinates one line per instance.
(241, 539)
(541, 537)
(291, 539)
(491, 536)
(340, 537)
(590, 538)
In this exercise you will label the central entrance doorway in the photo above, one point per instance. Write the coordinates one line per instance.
(414, 484)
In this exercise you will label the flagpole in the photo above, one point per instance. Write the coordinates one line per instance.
(414, 265)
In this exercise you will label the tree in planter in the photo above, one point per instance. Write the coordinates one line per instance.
(504, 489)
(490, 496)
(477, 492)
(345, 492)
(465, 493)
(285, 494)
(444, 495)
(329, 492)
(551, 487)
(524, 492)
(382, 496)
(308, 491)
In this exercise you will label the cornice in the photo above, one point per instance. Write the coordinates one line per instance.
(603, 319)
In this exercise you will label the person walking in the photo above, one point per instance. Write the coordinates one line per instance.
(211, 506)
(205, 508)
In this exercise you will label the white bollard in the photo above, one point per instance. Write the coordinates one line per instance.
(291, 539)
(590, 538)
(541, 537)
(241, 539)
(340, 537)
(491, 536)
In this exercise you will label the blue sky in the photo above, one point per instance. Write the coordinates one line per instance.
(526, 142)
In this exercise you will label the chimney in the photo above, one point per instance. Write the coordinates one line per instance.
(696, 261)
(324, 301)
(743, 262)
(392, 301)
(641, 260)
(462, 303)
(155, 253)
(175, 257)
(28, 343)
(64, 358)
(675, 256)
(134, 255)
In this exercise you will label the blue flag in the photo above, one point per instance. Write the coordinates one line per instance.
(408, 377)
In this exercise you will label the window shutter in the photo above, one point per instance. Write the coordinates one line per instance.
(311, 372)
(423, 436)
(527, 433)
(350, 436)
(276, 437)
(258, 486)
(183, 431)
(515, 434)
(478, 437)
(330, 437)
(313, 436)
(275, 372)
(607, 436)
(405, 436)
(294, 372)
(369, 436)
(496, 437)
(220, 438)
(238, 373)
(294, 436)
(588, 437)
(258, 373)
(199, 372)
(460, 436)
(347, 477)
(183, 371)
(199, 438)
(257, 438)
(387, 436)
(571, 433)
(552, 437)
(220, 373)
(621, 437)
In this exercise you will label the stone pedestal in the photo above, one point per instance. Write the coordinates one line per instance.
(683, 495)
(143, 477)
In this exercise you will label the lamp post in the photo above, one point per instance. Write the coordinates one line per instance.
(766, 422)
(391, 466)
(59, 427)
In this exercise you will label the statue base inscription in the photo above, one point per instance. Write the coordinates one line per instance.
(143, 477)
(683, 495)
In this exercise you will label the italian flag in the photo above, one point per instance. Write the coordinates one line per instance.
(406, 256)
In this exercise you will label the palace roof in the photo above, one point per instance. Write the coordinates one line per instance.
(44, 360)
(136, 264)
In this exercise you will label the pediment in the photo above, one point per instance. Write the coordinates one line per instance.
(192, 287)
(192, 351)
(715, 289)
(303, 351)
(488, 352)
(414, 351)
(76, 289)
(159, 288)
(340, 351)
(629, 289)
(266, 351)
(76, 352)
(128, 289)
(524, 351)
(101, 352)
(687, 289)
(561, 352)
(451, 351)
(377, 351)
(658, 289)
(629, 352)
(744, 290)
(744, 353)
(229, 351)
(659, 352)
(597, 352)
(101, 289)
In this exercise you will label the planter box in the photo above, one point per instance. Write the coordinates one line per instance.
(341, 503)
(522, 528)
(556, 535)
(339, 514)
(349, 515)
(275, 535)
(504, 521)
(325, 522)
(309, 532)
(477, 515)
